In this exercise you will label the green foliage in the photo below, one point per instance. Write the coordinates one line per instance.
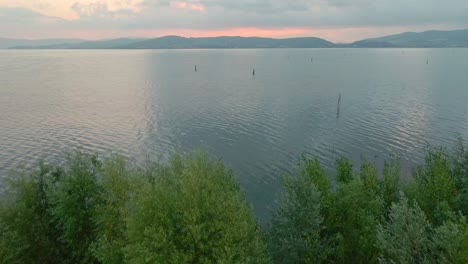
(434, 187)
(368, 175)
(112, 212)
(460, 173)
(405, 236)
(74, 198)
(351, 218)
(344, 170)
(192, 213)
(296, 227)
(451, 241)
(389, 186)
(10, 246)
(101, 211)
(314, 173)
(190, 210)
(363, 219)
(29, 232)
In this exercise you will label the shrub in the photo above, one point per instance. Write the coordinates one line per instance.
(74, 196)
(190, 210)
(295, 233)
(192, 213)
(352, 214)
(433, 186)
(29, 234)
(112, 212)
(405, 236)
(311, 170)
(11, 248)
(451, 241)
(460, 172)
(389, 187)
(344, 170)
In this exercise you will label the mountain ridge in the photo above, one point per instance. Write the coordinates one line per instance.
(12, 42)
(425, 39)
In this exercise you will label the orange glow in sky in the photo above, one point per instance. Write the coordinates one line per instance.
(61, 8)
(184, 5)
(98, 19)
(240, 31)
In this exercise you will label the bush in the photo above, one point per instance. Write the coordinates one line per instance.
(344, 170)
(10, 246)
(190, 210)
(451, 241)
(363, 218)
(434, 187)
(352, 214)
(192, 213)
(74, 196)
(405, 236)
(389, 186)
(295, 233)
(111, 214)
(29, 234)
(93, 210)
(460, 173)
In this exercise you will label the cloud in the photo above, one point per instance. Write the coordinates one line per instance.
(99, 10)
(42, 5)
(303, 13)
(20, 22)
(131, 16)
(18, 13)
(187, 5)
(155, 3)
(23, 16)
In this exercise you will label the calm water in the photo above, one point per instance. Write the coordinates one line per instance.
(148, 104)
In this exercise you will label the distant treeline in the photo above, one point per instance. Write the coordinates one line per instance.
(191, 210)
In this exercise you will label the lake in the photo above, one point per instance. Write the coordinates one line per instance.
(147, 104)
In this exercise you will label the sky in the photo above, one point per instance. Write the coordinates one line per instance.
(334, 20)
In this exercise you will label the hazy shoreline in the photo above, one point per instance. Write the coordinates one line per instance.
(426, 39)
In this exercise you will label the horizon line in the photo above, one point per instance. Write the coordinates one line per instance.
(221, 36)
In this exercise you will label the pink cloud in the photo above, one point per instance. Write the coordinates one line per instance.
(47, 30)
(197, 7)
(187, 5)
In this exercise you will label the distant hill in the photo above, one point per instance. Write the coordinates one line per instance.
(427, 39)
(6, 43)
(229, 42)
(175, 42)
(98, 44)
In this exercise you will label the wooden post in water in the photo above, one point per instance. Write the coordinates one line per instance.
(336, 126)
(338, 107)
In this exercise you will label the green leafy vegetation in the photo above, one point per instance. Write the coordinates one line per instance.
(364, 217)
(190, 209)
(93, 210)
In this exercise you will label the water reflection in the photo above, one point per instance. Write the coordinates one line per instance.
(148, 104)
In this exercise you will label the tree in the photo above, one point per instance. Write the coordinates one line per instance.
(74, 195)
(434, 188)
(112, 212)
(405, 236)
(192, 213)
(451, 241)
(294, 236)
